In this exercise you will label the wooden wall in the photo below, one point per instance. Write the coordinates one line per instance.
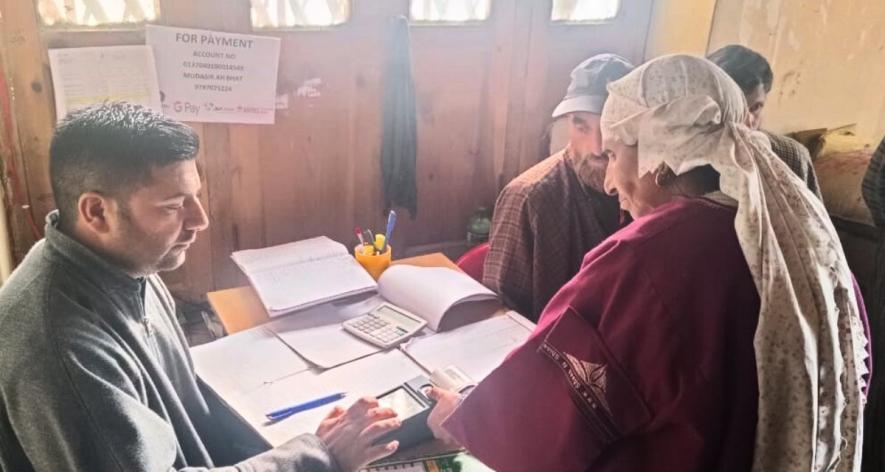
(484, 94)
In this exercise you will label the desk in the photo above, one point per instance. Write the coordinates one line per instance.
(255, 371)
(239, 308)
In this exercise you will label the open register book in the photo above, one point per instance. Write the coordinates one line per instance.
(446, 298)
(442, 296)
(302, 274)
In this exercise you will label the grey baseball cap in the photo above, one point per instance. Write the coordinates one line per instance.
(587, 90)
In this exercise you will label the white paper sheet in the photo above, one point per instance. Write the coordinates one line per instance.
(215, 76)
(316, 332)
(476, 349)
(242, 362)
(370, 376)
(87, 76)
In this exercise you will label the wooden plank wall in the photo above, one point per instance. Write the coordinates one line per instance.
(484, 94)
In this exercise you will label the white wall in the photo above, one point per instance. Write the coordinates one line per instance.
(828, 58)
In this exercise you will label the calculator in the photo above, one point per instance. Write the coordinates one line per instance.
(385, 326)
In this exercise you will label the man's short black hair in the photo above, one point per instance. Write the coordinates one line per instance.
(112, 148)
(745, 66)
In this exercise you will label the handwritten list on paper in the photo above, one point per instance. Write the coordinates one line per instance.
(215, 77)
(86, 76)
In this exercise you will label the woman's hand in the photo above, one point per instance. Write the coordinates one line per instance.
(446, 403)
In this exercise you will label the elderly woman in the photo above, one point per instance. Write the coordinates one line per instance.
(719, 331)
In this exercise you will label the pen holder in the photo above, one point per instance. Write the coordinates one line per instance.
(375, 265)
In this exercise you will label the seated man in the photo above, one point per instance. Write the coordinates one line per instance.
(751, 71)
(547, 218)
(683, 344)
(95, 373)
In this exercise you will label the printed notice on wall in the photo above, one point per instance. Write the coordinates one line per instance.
(215, 77)
(86, 76)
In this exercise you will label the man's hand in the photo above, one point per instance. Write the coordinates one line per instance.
(349, 434)
(446, 402)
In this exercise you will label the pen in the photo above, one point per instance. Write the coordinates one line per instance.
(289, 411)
(359, 235)
(391, 222)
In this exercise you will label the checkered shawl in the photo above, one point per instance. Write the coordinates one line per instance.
(797, 158)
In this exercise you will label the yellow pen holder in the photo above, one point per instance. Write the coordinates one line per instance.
(375, 265)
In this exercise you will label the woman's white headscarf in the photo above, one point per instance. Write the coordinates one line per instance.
(685, 112)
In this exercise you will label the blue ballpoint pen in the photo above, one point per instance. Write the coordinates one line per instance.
(289, 411)
(391, 222)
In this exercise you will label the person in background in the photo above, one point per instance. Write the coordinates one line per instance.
(873, 190)
(95, 373)
(751, 71)
(548, 217)
(716, 332)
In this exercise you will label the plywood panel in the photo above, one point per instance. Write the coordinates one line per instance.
(483, 95)
(33, 104)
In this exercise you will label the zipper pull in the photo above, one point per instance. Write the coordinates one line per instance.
(148, 327)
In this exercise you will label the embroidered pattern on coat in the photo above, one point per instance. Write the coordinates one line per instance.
(587, 387)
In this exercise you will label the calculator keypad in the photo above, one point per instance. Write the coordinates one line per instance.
(378, 328)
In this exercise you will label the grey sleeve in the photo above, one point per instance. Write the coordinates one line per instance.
(79, 408)
(305, 453)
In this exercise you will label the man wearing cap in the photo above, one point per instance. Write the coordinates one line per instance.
(548, 217)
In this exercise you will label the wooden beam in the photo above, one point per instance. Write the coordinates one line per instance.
(16, 218)
(33, 104)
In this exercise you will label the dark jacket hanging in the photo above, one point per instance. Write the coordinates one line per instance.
(399, 140)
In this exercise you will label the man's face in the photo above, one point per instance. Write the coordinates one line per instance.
(153, 230)
(755, 103)
(585, 146)
(585, 138)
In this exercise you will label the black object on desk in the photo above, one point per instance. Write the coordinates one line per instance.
(413, 407)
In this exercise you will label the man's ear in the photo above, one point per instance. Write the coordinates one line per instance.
(94, 211)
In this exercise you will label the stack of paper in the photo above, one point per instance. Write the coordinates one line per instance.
(477, 348)
(244, 362)
(316, 333)
(305, 273)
